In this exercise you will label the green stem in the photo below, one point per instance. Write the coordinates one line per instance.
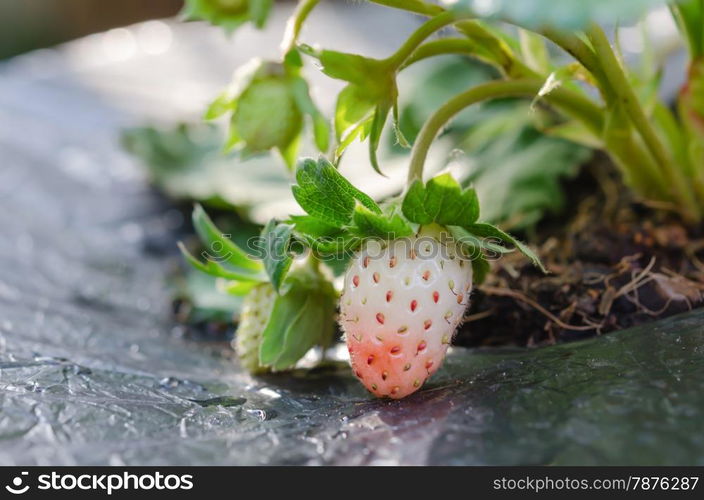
(502, 56)
(414, 6)
(465, 24)
(585, 55)
(439, 47)
(295, 23)
(576, 47)
(570, 102)
(421, 34)
(477, 40)
(624, 91)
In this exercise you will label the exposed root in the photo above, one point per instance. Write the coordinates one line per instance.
(507, 292)
(477, 316)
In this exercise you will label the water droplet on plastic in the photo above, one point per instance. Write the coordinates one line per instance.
(262, 415)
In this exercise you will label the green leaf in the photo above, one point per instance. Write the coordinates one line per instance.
(321, 127)
(363, 106)
(386, 226)
(187, 163)
(377, 127)
(321, 132)
(301, 318)
(400, 138)
(228, 14)
(236, 288)
(213, 268)
(566, 14)
(224, 103)
(293, 60)
(353, 110)
(287, 309)
(289, 151)
(441, 200)
(326, 195)
(480, 269)
(259, 11)
(474, 246)
(220, 246)
(534, 51)
(311, 226)
(413, 202)
(352, 68)
(575, 131)
(338, 246)
(484, 230)
(276, 237)
(516, 170)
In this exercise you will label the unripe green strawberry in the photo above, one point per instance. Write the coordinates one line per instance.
(229, 6)
(267, 103)
(400, 308)
(267, 115)
(228, 14)
(253, 318)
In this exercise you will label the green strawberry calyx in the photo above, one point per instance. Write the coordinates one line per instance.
(340, 216)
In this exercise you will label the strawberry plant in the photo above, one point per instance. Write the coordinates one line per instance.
(412, 259)
(288, 308)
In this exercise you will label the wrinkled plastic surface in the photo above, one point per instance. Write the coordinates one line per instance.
(94, 371)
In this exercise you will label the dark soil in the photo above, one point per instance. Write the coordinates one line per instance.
(614, 263)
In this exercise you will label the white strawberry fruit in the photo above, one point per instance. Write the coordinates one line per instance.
(406, 290)
(401, 305)
(255, 313)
